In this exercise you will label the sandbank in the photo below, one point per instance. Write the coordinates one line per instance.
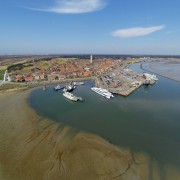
(35, 148)
(168, 69)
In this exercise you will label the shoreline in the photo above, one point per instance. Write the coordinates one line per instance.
(29, 141)
(41, 83)
(32, 147)
(158, 73)
(162, 75)
(125, 92)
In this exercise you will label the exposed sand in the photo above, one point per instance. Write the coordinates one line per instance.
(167, 69)
(38, 149)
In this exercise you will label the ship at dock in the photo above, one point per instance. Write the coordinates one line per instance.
(150, 76)
(103, 92)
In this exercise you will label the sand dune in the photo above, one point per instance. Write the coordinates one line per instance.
(33, 148)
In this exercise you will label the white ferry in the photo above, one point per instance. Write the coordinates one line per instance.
(102, 92)
(72, 96)
(150, 76)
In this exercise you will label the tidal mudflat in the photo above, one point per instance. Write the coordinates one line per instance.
(32, 147)
(169, 69)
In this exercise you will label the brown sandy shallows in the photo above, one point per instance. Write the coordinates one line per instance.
(32, 148)
(168, 69)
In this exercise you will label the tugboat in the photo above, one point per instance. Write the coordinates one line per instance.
(70, 87)
(71, 96)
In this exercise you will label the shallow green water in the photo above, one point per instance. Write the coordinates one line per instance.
(148, 120)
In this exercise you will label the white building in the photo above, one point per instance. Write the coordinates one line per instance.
(91, 58)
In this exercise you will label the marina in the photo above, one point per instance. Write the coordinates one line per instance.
(123, 81)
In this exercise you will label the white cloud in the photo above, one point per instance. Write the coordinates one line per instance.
(75, 6)
(136, 31)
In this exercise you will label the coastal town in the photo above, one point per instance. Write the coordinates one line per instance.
(112, 74)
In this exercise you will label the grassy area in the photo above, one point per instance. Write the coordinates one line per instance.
(2, 74)
(11, 86)
(28, 66)
(53, 62)
(3, 67)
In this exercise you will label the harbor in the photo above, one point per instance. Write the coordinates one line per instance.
(120, 80)
(143, 121)
(123, 81)
(112, 74)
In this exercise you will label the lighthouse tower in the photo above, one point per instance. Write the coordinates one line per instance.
(91, 58)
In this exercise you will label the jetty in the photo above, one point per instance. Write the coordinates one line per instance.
(122, 81)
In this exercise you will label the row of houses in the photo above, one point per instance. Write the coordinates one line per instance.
(72, 69)
(51, 77)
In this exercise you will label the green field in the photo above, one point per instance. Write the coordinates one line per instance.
(2, 74)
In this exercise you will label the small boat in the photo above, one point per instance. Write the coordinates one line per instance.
(78, 83)
(72, 97)
(58, 87)
(44, 88)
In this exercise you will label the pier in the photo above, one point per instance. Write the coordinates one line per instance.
(122, 81)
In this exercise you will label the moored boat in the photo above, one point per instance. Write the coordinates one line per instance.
(78, 83)
(150, 76)
(44, 88)
(58, 87)
(103, 92)
(72, 97)
(70, 87)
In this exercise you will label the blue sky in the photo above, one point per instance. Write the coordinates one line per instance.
(90, 26)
